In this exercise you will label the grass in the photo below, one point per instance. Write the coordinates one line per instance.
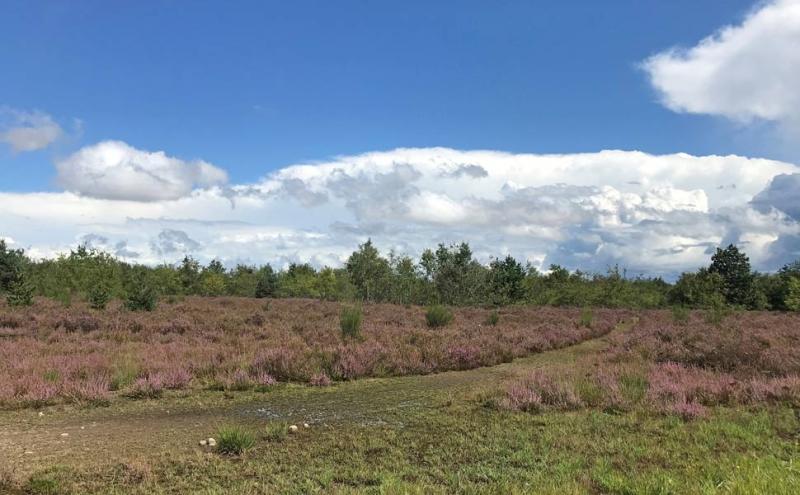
(493, 318)
(350, 321)
(234, 440)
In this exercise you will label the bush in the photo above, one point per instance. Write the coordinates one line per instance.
(438, 316)
(350, 321)
(20, 293)
(586, 318)
(141, 298)
(492, 318)
(234, 440)
(680, 315)
(99, 296)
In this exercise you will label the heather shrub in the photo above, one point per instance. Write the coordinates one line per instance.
(350, 321)
(150, 387)
(234, 440)
(320, 380)
(438, 316)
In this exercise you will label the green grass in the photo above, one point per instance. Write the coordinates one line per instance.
(350, 321)
(493, 318)
(234, 440)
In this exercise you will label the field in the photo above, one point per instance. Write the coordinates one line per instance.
(542, 400)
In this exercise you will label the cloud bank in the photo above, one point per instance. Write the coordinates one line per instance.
(746, 72)
(656, 214)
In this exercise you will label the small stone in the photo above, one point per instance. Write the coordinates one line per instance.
(65, 434)
(29, 452)
(212, 442)
(41, 414)
(293, 429)
(203, 443)
(306, 425)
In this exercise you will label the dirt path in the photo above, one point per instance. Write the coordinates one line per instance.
(129, 429)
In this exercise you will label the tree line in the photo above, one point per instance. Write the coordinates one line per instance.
(448, 275)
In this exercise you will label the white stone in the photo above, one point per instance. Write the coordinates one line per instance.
(65, 434)
(41, 414)
(212, 442)
(293, 429)
(203, 443)
(306, 425)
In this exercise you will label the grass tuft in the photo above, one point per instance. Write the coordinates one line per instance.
(234, 440)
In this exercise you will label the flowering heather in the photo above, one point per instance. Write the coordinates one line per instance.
(678, 368)
(49, 353)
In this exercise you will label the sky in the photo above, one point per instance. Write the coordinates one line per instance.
(639, 133)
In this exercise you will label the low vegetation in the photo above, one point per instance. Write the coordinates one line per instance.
(673, 367)
(50, 354)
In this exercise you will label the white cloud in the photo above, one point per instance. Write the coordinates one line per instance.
(744, 72)
(653, 214)
(116, 170)
(28, 131)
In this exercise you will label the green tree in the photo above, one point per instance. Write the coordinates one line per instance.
(267, 285)
(369, 273)
(189, 274)
(792, 301)
(737, 279)
(12, 262)
(457, 278)
(505, 280)
(703, 289)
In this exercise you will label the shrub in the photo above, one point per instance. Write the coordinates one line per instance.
(680, 315)
(492, 318)
(234, 440)
(438, 316)
(20, 293)
(99, 296)
(586, 318)
(350, 321)
(141, 298)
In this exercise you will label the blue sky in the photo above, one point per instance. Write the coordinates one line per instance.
(259, 85)
(253, 88)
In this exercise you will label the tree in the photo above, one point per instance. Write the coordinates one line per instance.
(457, 277)
(737, 279)
(703, 289)
(189, 273)
(505, 280)
(12, 262)
(267, 285)
(369, 272)
(793, 294)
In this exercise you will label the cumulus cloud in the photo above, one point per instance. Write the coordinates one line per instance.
(28, 131)
(656, 214)
(116, 170)
(743, 72)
